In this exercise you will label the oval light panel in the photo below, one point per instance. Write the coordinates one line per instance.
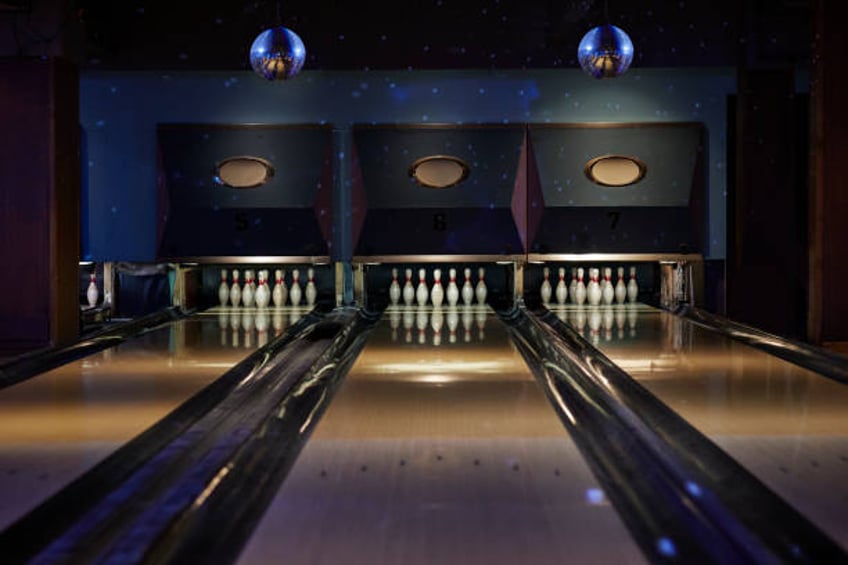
(439, 171)
(243, 172)
(615, 170)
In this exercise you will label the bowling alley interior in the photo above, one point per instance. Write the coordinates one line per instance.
(425, 282)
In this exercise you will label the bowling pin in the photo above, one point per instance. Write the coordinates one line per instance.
(467, 289)
(263, 295)
(546, 286)
(481, 289)
(437, 294)
(593, 291)
(579, 293)
(311, 292)
(247, 291)
(295, 293)
(452, 293)
(223, 289)
(394, 288)
(561, 289)
(632, 287)
(235, 289)
(408, 290)
(421, 293)
(620, 287)
(92, 294)
(572, 287)
(607, 291)
(277, 293)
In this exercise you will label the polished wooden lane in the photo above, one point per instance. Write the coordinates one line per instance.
(787, 425)
(57, 425)
(440, 448)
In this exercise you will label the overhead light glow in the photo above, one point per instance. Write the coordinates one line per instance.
(615, 170)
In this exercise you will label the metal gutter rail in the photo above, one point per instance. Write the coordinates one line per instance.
(683, 498)
(816, 359)
(160, 481)
(34, 363)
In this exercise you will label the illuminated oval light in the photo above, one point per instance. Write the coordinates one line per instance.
(243, 172)
(615, 170)
(439, 171)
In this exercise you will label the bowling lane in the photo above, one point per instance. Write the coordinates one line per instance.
(57, 425)
(440, 447)
(787, 425)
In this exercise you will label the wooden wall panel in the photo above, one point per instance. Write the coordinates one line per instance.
(39, 193)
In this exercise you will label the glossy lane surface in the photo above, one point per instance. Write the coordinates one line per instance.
(787, 425)
(440, 447)
(57, 425)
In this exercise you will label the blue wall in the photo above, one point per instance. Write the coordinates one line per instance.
(120, 111)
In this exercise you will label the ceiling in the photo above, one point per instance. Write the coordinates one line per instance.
(439, 34)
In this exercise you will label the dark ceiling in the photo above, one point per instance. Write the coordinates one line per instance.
(441, 34)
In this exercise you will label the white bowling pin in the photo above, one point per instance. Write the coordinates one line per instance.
(421, 293)
(277, 293)
(572, 287)
(311, 292)
(437, 293)
(223, 289)
(408, 289)
(607, 291)
(546, 290)
(580, 288)
(632, 287)
(263, 295)
(593, 290)
(295, 293)
(561, 289)
(467, 289)
(247, 292)
(481, 289)
(235, 289)
(394, 288)
(620, 287)
(92, 294)
(452, 293)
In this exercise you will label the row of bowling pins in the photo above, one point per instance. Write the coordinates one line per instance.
(255, 322)
(595, 292)
(260, 296)
(437, 294)
(436, 320)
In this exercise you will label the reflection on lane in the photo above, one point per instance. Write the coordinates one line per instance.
(59, 424)
(440, 451)
(786, 424)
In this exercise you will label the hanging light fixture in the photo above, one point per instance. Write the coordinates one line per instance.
(277, 53)
(605, 51)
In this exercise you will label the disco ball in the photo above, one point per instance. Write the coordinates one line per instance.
(605, 51)
(277, 54)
